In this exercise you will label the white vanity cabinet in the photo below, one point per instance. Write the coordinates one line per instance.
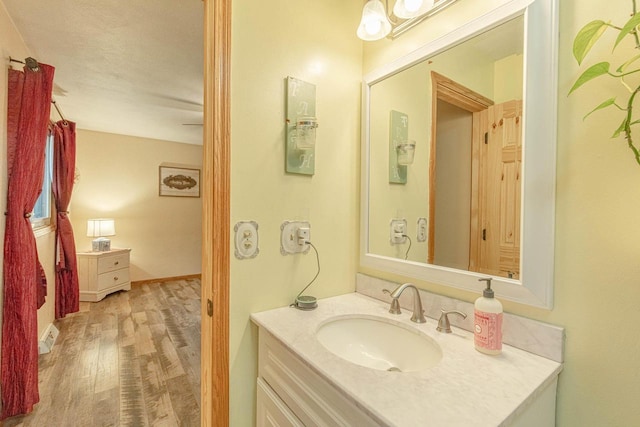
(302, 383)
(299, 396)
(101, 273)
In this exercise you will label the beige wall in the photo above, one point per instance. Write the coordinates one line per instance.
(508, 76)
(596, 274)
(118, 178)
(313, 41)
(11, 44)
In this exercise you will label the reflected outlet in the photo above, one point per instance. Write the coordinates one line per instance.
(397, 230)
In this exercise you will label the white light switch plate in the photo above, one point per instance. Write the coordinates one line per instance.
(422, 230)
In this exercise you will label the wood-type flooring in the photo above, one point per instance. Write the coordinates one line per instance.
(132, 359)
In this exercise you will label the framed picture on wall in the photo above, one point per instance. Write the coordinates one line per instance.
(179, 182)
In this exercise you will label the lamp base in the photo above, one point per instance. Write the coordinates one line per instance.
(101, 244)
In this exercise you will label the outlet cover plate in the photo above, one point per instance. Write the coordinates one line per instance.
(422, 230)
(397, 226)
(246, 239)
(289, 237)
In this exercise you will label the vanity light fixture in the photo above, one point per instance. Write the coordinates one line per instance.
(376, 24)
(407, 9)
(100, 228)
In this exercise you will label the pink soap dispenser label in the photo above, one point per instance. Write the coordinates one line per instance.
(488, 330)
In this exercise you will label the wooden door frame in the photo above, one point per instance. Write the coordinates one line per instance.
(216, 177)
(456, 94)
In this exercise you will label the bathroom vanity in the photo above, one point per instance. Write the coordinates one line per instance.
(303, 383)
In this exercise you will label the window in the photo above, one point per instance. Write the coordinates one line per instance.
(42, 210)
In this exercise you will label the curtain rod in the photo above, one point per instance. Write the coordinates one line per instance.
(29, 62)
(33, 65)
(55, 104)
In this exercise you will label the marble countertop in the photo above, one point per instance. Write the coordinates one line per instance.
(465, 388)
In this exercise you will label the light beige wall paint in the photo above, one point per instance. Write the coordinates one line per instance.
(314, 41)
(596, 270)
(407, 92)
(508, 77)
(118, 178)
(11, 44)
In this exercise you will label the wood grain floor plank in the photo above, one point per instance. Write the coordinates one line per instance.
(185, 406)
(132, 359)
(132, 406)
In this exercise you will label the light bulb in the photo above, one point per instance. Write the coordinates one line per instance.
(412, 5)
(407, 9)
(372, 26)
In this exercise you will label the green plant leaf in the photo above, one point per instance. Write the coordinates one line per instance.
(624, 66)
(586, 38)
(605, 104)
(620, 129)
(628, 27)
(591, 73)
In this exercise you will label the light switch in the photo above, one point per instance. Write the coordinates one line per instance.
(422, 230)
(246, 239)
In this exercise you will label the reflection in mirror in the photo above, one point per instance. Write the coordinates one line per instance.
(472, 209)
(464, 110)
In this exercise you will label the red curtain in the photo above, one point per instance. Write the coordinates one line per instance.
(64, 166)
(29, 104)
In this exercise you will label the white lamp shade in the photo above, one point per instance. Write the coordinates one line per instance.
(407, 9)
(374, 24)
(101, 227)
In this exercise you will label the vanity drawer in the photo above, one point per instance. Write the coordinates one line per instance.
(113, 262)
(310, 397)
(113, 278)
(271, 411)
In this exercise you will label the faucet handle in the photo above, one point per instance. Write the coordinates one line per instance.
(395, 305)
(443, 323)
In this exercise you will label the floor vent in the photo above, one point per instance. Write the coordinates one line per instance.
(48, 339)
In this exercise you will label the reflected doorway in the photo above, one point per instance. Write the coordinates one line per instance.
(475, 190)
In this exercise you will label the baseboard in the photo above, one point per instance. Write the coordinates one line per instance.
(48, 339)
(165, 279)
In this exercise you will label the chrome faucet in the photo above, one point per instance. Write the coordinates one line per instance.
(418, 314)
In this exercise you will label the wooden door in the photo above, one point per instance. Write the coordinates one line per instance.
(499, 198)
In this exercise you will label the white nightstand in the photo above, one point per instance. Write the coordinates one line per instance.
(101, 273)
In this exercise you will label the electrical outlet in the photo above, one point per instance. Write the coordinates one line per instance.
(293, 236)
(304, 234)
(246, 239)
(397, 231)
(422, 230)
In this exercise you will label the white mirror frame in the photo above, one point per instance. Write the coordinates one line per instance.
(535, 287)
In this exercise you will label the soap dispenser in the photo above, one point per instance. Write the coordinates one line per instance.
(488, 322)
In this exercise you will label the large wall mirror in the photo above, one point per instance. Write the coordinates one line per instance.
(478, 199)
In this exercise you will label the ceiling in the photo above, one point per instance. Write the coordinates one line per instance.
(124, 67)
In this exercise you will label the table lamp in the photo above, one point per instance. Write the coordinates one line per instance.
(99, 228)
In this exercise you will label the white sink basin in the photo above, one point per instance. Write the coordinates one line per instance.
(378, 343)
